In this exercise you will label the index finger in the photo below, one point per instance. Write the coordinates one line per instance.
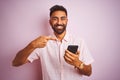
(77, 53)
(50, 38)
(70, 53)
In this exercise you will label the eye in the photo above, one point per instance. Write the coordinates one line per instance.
(54, 18)
(63, 18)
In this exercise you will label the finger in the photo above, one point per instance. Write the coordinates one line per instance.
(50, 38)
(78, 52)
(69, 56)
(67, 51)
(67, 59)
(70, 53)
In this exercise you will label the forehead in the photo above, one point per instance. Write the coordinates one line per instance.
(58, 14)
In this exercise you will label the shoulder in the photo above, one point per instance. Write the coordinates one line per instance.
(76, 38)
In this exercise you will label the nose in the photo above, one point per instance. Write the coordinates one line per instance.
(59, 21)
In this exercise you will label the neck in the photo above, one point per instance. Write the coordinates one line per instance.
(60, 36)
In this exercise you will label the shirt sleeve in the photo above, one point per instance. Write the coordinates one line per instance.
(34, 55)
(85, 55)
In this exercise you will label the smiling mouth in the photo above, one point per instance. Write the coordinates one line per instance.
(59, 27)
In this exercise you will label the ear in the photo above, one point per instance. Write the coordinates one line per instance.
(67, 19)
(49, 21)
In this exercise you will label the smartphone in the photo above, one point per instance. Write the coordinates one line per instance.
(72, 48)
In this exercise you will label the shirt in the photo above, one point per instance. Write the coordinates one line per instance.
(52, 60)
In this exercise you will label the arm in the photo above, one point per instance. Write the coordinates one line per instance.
(21, 57)
(73, 59)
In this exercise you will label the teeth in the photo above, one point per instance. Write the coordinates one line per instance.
(60, 27)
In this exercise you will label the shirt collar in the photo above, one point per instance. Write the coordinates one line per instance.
(66, 37)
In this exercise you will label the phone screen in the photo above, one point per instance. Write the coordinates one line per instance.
(72, 48)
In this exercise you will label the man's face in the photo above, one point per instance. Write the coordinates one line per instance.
(58, 21)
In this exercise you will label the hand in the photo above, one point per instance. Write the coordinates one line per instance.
(41, 41)
(72, 58)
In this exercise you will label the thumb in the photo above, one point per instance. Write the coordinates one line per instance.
(78, 52)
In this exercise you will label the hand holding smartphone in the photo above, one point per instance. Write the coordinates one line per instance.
(73, 48)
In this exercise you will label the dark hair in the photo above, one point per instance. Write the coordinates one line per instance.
(57, 8)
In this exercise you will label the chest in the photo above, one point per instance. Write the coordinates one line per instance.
(54, 52)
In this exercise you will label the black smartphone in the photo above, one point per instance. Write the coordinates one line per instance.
(72, 48)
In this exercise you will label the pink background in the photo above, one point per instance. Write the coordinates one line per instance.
(97, 21)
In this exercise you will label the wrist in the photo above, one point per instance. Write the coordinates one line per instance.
(33, 45)
(80, 65)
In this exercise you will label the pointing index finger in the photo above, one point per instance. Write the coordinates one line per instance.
(51, 38)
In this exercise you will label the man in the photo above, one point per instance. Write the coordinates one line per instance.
(57, 62)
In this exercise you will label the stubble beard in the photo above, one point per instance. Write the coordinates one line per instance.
(59, 29)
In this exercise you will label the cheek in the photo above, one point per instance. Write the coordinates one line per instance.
(53, 23)
(65, 23)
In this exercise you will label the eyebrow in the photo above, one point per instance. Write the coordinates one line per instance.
(60, 17)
